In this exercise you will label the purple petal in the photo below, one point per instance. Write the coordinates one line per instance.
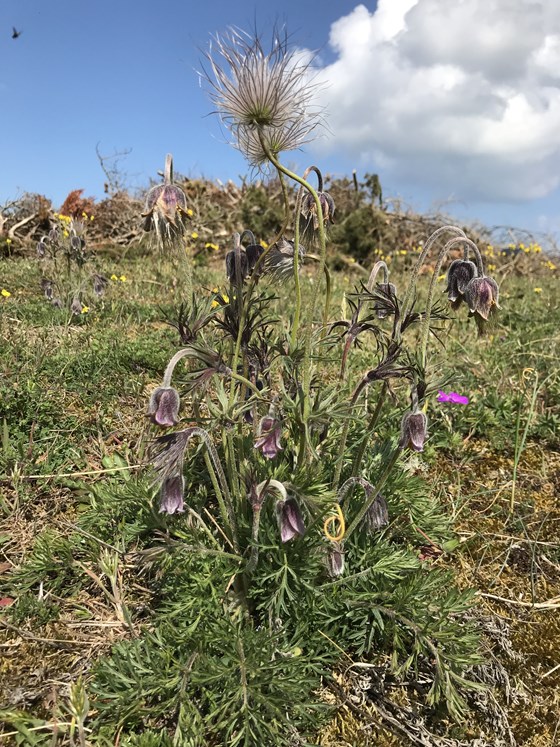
(443, 397)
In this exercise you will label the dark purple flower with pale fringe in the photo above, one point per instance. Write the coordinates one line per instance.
(289, 519)
(459, 275)
(482, 295)
(268, 437)
(164, 406)
(309, 209)
(171, 495)
(414, 431)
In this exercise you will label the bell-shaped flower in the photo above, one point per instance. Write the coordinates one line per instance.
(290, 520)
(414, 431)
(163, 408)
(481, 296)
(171, 495)
(237, 274)
(309, 209)
(459, 275)
(377, 515)
(268, 437)
(335, 560)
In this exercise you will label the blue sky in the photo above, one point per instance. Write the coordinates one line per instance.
(419, 91)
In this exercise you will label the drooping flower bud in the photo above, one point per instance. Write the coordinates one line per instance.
(335, 560)
(268, 437)
(254, 252)
(47, 288)
(481, 296)
(377, 515)
(76, 306)
(172, 491)
(231, 271)
(290, 520)
(414, 431)
(459, 275)
(163, 408)
(99, 284)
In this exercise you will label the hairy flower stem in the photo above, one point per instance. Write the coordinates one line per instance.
(173, 362)
(375, 492)
(407, 302)
(297, 310)
(425, 330)
(322, 262)
(342, 447)
(262, 490)
(369, 429)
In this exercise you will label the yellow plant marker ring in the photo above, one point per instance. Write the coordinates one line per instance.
(337, 518)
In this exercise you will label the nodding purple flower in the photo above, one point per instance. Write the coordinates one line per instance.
(254, 253)
(171, 495)
(76, 306)
(459, 275)
(309, 209)
(335, 560)
(41, 247)
(47, 288)
(414, 431)
(268, 437)
(481, 296)
(289, 519)
(377, 515)
(166, 211)
(231, 271)
(99, 284)
(164, 406)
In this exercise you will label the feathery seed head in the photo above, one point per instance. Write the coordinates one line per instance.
(263, 97)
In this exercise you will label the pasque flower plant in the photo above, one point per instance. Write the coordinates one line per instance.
(301, 444)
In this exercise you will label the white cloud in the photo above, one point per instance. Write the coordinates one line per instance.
(461, 96)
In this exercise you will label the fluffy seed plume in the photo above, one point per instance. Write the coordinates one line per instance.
(263, 97)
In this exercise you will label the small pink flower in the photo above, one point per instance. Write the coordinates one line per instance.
(456, 399)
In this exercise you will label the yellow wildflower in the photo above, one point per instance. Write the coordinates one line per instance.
(114, 277)
(189, 212)
(441, 277)
(123, 278)
(5, 293)
(85, 309)
(65, 234)
(264, 244)
(8, 242)
(537, 290)
(194, 235)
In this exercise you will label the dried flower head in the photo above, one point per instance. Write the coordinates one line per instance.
(76, 306)
(290, 520)
(163, 408)
(280, 258)
(414, 430)
(171, 495)
(47, 286)
(263, 97)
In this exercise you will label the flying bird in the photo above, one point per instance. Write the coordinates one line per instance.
(15, 33)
